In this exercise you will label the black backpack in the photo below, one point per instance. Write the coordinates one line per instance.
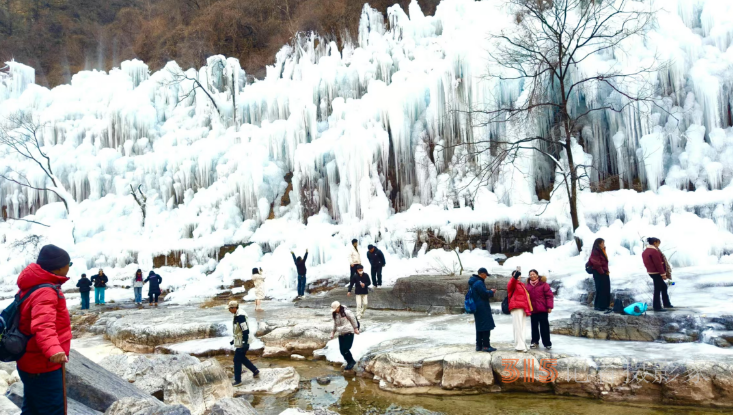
(505, 305)
(12, 341)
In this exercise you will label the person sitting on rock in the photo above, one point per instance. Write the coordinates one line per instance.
(44, 318)
(543, 301)
(362, 281)
(376, 260)
(240, 328)
(345, 326)
(154, 288)
(100, 285)
(84, 286)
(482, 316)
(300, 266)
(354, 257)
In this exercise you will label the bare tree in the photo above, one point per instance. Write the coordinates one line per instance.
(542, 52)
(141, 201)
(20, 133)
(180, 78)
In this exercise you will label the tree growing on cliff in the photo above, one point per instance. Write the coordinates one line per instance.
(543, 53)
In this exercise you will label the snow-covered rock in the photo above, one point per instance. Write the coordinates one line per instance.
(147, 372)
(233, 406)
(301, 338)
(132, 406)
(270, 381)
(7, 407)
(198, 387)
(296, 357)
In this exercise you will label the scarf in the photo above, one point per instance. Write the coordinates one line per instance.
(534, 283)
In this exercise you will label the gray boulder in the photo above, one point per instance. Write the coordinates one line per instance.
(96, 387)
(273, 381)
(7, 407)
(15, 396)
(132, 406)
(649, 327)
(147, 372)
(198, 387)
(233, 406)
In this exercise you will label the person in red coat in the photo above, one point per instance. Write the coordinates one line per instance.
(520, 307)
(44, 316)
(658, 268)
(543, 301)
(599, 263)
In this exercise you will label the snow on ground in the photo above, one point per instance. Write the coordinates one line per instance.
(332, 117)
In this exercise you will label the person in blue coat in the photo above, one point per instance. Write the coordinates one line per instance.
(154, 287)
(483, 317)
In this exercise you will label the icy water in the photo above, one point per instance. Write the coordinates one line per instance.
(356, 396)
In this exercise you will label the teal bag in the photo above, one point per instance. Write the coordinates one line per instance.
(636, 309)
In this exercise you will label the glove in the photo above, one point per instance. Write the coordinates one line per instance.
(231, 342)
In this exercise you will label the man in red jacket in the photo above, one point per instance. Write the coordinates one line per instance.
(44, 316)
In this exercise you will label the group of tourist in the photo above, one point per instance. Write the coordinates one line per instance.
(99, 282)
(656, 265)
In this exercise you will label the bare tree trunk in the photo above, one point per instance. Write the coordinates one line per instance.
(234, 100)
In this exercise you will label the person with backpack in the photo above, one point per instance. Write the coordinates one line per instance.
(345, 326)
(543, 301)
(154, 288)
(361, 280)
(660, 271)
(240, 328)
(300, 266)
(520, 307)
(598, 266)
(482, 314)
(354, 257)
(100, 285)
(84, 285)
(137, 286)
(376, 260)
(45, 318)
(258, 278)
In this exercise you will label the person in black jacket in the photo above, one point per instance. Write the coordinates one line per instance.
(84, 285)
(154, 287)
(482, 316)
(100, 285)
(376, 259)
(362, 281)
(300, 266)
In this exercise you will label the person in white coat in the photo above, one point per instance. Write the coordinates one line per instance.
(354, 257)
(258, 277)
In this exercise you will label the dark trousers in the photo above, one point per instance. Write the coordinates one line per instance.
(352, 270)
(301, 285)
(483, 339)
(85, 300)
(377, 276)
(43, 394)
(540, 328)
(153, 296)
(660, 287)
(603, 291)
(240, 358)
(345, 343)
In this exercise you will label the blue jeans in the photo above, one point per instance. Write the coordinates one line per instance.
(85, 300)
(43, 394)
(301, 285)
(99, 295)
(138, 294)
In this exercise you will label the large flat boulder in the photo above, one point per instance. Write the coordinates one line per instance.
(301, 338)
(140, 331)
(198, 387)
(274, 381)
(147, 372)
(233, 406)
(132, 406)
(670, 326)
(96, 387)
(15, 394)
(425, 293)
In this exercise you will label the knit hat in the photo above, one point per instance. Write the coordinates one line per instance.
(335, 306)
(52, 258)
(233, 304)
(370, 246)
(483, 271)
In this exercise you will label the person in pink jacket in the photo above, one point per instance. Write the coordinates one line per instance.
(543, 301)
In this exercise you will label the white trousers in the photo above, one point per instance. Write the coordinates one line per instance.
(518, 317)
(361, 305)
